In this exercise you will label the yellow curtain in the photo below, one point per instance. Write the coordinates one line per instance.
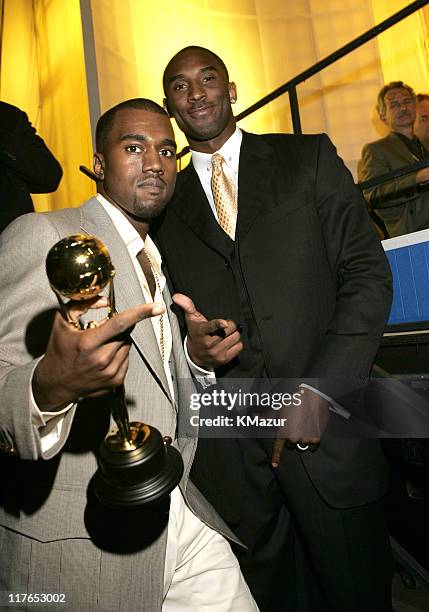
(18, 77)
(404, 48)
(43, 72)
(263, 42)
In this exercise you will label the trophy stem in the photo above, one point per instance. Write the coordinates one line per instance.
(112, 304)
(120, 416)
(65, 311)
(119, 409)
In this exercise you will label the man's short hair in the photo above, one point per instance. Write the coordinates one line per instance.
(194, 48)
(381, 105)
(421, 97)
(105, 122)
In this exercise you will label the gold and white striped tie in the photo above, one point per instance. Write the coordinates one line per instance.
(224, 196)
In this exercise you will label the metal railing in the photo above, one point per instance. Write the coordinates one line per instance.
(393, 174)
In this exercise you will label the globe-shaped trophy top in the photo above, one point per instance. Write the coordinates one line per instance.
(79, 267)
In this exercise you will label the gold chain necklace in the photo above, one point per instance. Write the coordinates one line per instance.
(161, 317)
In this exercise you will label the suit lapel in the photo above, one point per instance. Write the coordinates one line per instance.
(255, 174)
(398, 149)
(128, 293)
(191, 205)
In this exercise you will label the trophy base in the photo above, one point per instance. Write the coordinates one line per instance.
(140, 475)
(115, 443)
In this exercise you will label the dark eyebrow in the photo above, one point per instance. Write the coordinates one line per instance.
(143, 138)
(140, 137)
(169, 143)
(177, 77)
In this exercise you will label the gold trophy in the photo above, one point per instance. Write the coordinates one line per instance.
(136, 465)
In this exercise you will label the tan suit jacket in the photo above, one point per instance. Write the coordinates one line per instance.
(45, 503)
(402, 204)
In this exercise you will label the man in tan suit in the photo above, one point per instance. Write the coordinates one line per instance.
(54, 412)
(403, 204)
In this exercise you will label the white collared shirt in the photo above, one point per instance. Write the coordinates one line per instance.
(202, 162)
(135, 243)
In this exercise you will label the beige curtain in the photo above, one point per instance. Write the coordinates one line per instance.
(263, 42)
(338, 100)
(135, 39)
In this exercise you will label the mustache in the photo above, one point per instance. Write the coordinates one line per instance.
(151, 181)
(198, 106)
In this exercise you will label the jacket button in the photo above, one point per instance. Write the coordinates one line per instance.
(7, 449)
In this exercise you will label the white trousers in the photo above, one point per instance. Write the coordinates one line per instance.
(201, 571)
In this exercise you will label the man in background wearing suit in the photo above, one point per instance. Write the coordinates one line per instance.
(53, 416)
(26, 164)
(286, 281)
(403, 203)
(421, 124)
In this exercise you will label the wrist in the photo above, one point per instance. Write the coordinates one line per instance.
(187, 345)
(45, 395)
(195, 359)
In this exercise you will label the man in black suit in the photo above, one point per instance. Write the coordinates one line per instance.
(26, 165)
(300, 288)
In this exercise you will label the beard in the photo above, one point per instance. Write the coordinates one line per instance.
(201, 131)
(138, 209)
(145, 211)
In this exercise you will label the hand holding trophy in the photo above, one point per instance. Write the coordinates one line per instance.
(136, 466)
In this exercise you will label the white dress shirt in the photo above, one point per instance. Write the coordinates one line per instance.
(202, 162)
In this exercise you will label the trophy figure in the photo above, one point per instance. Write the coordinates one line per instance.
(136, 465)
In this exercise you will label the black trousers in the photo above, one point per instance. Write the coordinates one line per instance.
(303, 555)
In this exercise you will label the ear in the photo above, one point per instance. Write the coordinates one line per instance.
(166, 107)
(233, 93)
(383, 117)
(98, 165)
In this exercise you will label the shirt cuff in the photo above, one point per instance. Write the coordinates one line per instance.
(206, 377)
(333, 405)
(49, 424)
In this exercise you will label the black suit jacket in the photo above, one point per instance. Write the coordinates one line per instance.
(316, 281)
(26, 165)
